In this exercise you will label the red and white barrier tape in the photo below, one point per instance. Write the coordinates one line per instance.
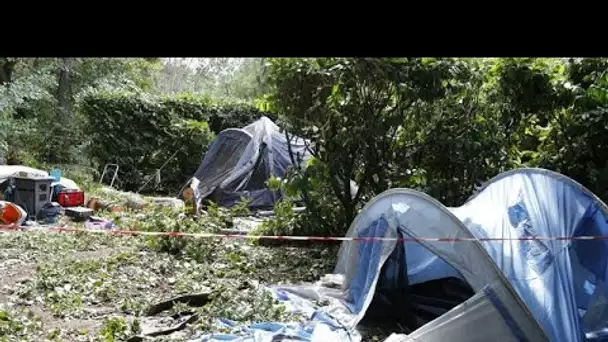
(301, 238)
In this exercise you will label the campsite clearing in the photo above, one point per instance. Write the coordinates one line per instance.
(104, 287)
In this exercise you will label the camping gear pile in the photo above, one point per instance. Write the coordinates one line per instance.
(508, 290)
(31, 195)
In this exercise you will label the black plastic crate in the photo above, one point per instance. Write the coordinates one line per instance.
(32, 193)
(78, 213)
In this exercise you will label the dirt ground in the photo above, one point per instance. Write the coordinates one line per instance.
(15, 271)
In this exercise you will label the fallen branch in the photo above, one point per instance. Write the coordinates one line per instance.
(196, 300)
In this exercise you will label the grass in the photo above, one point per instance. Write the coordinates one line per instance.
(93, 287)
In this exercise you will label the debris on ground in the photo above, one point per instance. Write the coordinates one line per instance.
(114, 200)
(243, 225)
(108, 282)
(82, 287)
(95, 222)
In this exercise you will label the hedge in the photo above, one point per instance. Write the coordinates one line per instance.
(140, 133)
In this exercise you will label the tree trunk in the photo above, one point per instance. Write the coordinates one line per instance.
(64, 89)
(6, 70)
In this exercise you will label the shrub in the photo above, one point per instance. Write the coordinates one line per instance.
(158, 128)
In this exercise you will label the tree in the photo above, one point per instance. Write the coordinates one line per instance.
(7, 66)
(229, 79)
(354, 110)
(64, 89)
(41, 107)
(574, 141)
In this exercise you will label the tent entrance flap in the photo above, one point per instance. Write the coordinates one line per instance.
(391, 301)
(222, 156)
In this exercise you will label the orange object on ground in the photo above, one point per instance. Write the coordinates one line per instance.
(11, 213)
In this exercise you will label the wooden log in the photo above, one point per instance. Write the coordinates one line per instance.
(188, 194)
(98, 204)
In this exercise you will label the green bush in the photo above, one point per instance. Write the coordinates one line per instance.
(442, 126)
(140, 133)
(322, 215)
(35, 134)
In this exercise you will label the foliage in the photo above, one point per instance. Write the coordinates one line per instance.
(230, 115)
(118, 329)
(97, 286)
(33, 124)
(158, 136)
(166, 220)
(321, 205)
(35, 130)
(443, 126)
(354, 111)
(241, 79)
(282, 223)
(161, 219)
(573, 141)
(22, 325)
(165, 126)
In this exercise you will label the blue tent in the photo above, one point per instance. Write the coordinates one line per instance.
(551, 289)
(562, 281)
(240, 161)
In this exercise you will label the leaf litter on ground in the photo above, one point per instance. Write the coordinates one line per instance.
(96, 287)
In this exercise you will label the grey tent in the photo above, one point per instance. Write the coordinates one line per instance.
(240, 161)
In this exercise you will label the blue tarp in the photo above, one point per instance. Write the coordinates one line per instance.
(318, 325)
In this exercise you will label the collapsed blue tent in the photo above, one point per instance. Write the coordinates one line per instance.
(562, 281)
(240, 161)
(521, 290)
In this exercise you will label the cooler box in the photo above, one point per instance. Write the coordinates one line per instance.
(70, 198)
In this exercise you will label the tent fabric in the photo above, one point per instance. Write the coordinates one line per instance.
(561, 281)
(525, 290)
(463, 322)
(417, 215)
(239, 161)
(413, 214)
(222, 156)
